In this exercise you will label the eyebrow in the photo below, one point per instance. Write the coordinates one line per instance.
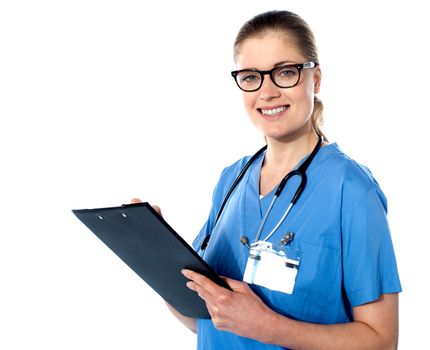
(283, 63)
(279, 64)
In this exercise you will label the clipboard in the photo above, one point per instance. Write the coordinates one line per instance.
(138, 235)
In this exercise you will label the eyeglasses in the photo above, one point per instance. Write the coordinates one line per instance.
(284, 76)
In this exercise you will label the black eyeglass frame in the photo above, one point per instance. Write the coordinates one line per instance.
(298, 66)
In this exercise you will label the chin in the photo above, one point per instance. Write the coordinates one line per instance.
(285, 135)
(276, 136)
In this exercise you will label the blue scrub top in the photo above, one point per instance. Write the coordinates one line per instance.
(341, 234)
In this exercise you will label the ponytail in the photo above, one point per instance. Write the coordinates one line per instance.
(317, 117)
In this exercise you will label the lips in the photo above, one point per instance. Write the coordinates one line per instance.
(272, 111)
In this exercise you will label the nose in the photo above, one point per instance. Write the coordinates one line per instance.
(268, 89)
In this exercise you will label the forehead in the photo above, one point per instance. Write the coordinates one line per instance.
(263, 52)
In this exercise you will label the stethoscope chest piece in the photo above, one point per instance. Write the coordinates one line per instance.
(289, 236)
(285, 240)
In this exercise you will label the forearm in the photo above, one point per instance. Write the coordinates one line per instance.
(301, 335)
(242, 312)
(190, 323)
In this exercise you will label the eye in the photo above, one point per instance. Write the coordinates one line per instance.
(249, 77)
(287, 72)
(246, 78)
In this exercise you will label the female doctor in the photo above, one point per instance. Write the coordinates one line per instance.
(321, 275)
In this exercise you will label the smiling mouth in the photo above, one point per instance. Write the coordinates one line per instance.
(272, 111)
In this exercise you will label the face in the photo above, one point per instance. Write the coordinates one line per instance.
(280, 113)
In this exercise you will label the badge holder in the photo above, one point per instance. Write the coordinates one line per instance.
(273, 266)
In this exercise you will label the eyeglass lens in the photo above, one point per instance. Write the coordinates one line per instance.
(286, 76)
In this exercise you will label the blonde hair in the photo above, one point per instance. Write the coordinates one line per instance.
(296, 28)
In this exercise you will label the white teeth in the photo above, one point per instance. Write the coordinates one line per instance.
(273, 111)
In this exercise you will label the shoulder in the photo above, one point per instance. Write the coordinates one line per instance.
(230, 173)
(347, 168)
(353, 179)
(235, 168)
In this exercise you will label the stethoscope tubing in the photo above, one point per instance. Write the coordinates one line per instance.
(300, 171)
(281, 220)
(236, 182)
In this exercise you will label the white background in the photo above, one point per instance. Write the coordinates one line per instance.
(101, 101)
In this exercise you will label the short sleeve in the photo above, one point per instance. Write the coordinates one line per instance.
(217, 198)
(208, 225)
(226, 179)
(369, 263)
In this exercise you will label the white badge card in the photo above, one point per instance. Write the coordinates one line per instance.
(270, 269)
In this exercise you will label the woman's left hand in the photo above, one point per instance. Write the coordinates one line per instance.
(239, 310)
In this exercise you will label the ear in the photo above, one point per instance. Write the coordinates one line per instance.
(317, 79)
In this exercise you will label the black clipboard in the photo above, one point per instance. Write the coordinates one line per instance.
(152, 249)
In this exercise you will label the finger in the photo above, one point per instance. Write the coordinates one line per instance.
(235, 285)
(201, 291)
(136, 200)
(203, 281)
(157, 209)
(240, 287)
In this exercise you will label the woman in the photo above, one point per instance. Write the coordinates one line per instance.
(326, 278)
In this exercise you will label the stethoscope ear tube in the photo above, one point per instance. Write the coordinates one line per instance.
(302, 185)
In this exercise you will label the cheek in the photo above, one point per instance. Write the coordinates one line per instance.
(307, 105)
(305, 96)
(249, 101)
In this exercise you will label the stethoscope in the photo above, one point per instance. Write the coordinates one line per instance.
(300, 171)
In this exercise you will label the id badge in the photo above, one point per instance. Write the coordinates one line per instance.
(270, 268)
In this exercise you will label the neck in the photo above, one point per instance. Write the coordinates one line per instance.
(282, 156)
(286, 154)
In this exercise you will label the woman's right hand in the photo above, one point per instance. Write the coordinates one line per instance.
(155, 207)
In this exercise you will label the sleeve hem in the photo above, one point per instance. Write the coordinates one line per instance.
(362, 296)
